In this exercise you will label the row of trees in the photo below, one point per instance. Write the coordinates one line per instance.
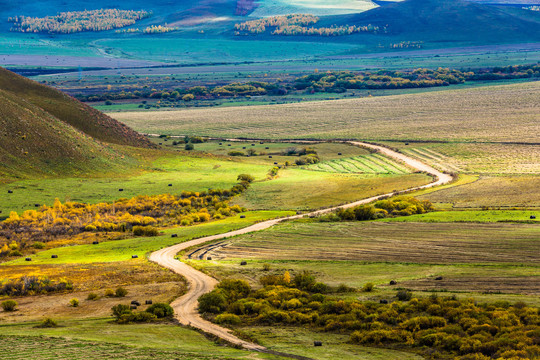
(140, 215)
(297, 25)
(437, 327)
(78, 21)
(403, 206)
(329, 82)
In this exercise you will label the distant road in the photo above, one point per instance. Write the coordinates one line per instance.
(185, 307)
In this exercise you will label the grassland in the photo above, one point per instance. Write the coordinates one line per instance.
(301, 189)
(487, 259)
(94, 337)
(481, 114)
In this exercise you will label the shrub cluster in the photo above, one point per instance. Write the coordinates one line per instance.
(401, 206)
(141, 214)
(439, 328)
(125, 315)
(33, 285)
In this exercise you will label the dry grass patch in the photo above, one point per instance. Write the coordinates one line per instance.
(490, 191)
(492, 113)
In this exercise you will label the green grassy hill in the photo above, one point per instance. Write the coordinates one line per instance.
(45, 132)
(450, 20)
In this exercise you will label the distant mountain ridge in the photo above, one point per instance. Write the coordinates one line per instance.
(451, 20)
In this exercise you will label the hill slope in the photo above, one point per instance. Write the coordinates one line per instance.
(45, 132)
(70, 111)
(445, 20)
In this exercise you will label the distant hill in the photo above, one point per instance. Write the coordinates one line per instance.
(45, 132)
(450, 20)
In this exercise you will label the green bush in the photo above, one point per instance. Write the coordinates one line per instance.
(189, 146)
(161, 310)
(229, 319)
(245, 177)
(9, 305)
(74, 302)
(145, 231)
(213, 302)
(120, 309)
(92, 296)
(368, 287)
(120, 292)
(404, 295)
(236, 153)
(109, 293)
(47, 323)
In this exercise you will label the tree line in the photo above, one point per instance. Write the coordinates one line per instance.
(78, 21)
(297, 25)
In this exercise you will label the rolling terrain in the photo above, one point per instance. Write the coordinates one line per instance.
(45, 132)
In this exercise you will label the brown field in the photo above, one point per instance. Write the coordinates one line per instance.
(425, 243)
(475, 158)
(490, 191)
(506, 113)
(34, 308)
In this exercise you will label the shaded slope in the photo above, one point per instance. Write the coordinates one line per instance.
(34, 143)
(70, 111)
(445, 20)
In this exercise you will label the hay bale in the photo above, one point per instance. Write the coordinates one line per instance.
(28, 259)
(148, 302)
(10, 191)
(242, 216)
(54, 256)
(393, 282)
(261, 142)
(533, 217)
(208, 258)
(134, 256)
(170, 184)
(37, 205)
(243, 147)
(267, 148)
(243, 263)
(120, 189)
(439, 278)
(339, 153)
(135, 302)
(95, 242)
(275, 163)
(317, 343)
(174, 235)
(252, 144)
(228, 144)
(269, 156)
(220, 143)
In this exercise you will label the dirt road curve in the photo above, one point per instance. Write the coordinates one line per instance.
(185, 307)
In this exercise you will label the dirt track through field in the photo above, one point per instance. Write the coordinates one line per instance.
(185, 307)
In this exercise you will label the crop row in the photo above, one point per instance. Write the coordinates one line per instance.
(365, 164)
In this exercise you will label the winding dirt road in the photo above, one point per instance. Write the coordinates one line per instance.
(185, 307)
